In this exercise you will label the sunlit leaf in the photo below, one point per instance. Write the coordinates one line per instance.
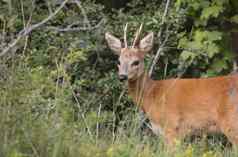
(185, 55)
(212, 49)
(212, 11)
(234, 19)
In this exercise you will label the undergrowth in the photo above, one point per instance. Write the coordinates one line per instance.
(38, 119)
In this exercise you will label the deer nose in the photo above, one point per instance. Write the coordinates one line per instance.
(123, 77)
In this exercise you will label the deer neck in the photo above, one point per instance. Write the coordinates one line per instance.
(137, 88)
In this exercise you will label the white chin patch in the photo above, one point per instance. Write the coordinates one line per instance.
(156, 128)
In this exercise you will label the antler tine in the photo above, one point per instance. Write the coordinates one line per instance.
(137, 35)
(125, 32)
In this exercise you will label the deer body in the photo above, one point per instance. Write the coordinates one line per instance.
(178, 107)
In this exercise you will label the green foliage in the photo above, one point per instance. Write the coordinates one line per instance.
(234, 19)
(60, 95)
(204, 45)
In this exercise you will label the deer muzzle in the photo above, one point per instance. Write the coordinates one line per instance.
(123, 77)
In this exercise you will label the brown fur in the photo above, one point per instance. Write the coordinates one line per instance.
(183, 106)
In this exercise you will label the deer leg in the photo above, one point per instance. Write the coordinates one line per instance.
(231, 132)
(171, 136)
(229, 126)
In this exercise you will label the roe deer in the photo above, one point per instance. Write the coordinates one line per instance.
(177, 107)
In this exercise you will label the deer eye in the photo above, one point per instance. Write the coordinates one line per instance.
(135, 63)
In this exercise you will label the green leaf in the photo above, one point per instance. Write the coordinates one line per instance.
(196, 5)
(220, 2)
(234, 19)
(185, 55)
(204, 4)
(218, 65)
(76, 55)
(212, 49)
(199, 36)
(178, 3)
(183, 42)
(213, 35)
(195, 45)
(212, 11)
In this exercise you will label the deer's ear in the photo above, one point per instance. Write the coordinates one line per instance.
(114, 43)
(146, 43)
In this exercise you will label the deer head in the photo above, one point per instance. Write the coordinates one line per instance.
(131, 58)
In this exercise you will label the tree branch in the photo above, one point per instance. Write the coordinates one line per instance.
(84, 13)
(28, 30)
(75, 29)
(156, 58)
(162, 44)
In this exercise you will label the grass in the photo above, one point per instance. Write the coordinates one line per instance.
(40, 118)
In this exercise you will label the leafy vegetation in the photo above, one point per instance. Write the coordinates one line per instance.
(60, 95)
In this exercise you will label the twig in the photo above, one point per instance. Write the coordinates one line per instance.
(125, 35)
(74, 23)
(3, 30)
(23, 14)
(84, 13)
(75, 29)
(166, 10)
(49, 7)
(26, 24)
(28, 30)
(156, 58)
(163, 19)
(165, 69)
(11, 45)
(82, 115)
(99, 114)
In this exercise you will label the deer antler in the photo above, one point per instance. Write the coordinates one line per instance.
(125, 40)
(137, 36)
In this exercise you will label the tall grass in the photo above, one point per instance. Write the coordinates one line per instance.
(40, 117)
